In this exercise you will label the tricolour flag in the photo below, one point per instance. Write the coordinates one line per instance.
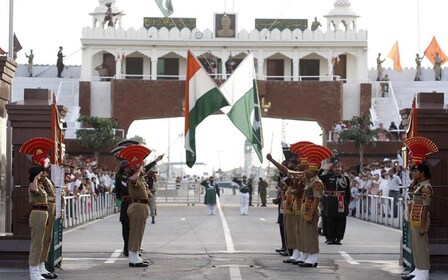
(165, 6)
(394, 54)
(202, 98)
(434, 48)
(241, 91)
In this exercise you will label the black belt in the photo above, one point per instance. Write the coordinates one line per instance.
(141, 200)
(40, 207)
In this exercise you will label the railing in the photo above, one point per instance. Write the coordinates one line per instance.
(87, 207)
(184, 193)
(222, 76)
(379, 209)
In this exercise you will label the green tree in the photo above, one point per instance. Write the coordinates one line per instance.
(99, 133)
(361, 133)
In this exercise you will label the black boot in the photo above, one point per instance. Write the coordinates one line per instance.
(153, 222)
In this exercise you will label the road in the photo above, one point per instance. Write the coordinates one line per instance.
(186, 243)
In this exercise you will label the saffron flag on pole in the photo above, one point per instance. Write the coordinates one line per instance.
(165, 6)
(434, 48)
(202, 98)
(394, 54)
(241, 91)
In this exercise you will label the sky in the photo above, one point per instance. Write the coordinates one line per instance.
(219, 144)
(45, 25)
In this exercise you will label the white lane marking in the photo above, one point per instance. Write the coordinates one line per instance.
(262, 219)
(114, 257)
(183, 219)
(347, 257)
(225, 227)
(235, 273)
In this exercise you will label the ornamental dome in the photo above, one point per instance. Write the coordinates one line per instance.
(342, 8)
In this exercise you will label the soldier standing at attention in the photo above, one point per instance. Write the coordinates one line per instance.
(289, 218)
(139, 194)
(43, 204)
(312, 194)
(421, 193)
(262, 191)
(335, 201)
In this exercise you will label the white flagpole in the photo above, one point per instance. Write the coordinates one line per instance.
(418, 24)
(11, 32)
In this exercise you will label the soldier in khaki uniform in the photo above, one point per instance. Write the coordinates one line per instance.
(299, 183)
(288, 202)
(139, 194)
(312, 194)
(421, 193)
(42, 199)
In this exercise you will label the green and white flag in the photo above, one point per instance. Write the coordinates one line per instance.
(165, 6)
(241, 91)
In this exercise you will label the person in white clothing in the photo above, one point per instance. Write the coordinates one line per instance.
(384, 191)
(244, 196)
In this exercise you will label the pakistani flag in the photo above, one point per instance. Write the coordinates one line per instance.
(165, 6)
(241, 91)
(202, 98)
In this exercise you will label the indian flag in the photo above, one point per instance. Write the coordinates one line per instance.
(241, 91)
(202, 98)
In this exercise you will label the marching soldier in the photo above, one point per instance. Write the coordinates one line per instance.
(419, 203)
(43, 203)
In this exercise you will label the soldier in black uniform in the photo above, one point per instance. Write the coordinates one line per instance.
(335, 202)
(122, 193)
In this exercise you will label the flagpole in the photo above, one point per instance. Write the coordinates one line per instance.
(11, 33)
(418, 24)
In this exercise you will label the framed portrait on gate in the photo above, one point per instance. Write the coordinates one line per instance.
(225, 25)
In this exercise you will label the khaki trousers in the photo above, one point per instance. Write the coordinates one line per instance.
(420, 247)
(290, 231)
(48, 232)
(37, 222)
(152, 205)
(137, 213)
(310, 239)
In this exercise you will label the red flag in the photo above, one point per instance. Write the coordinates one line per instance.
(394, 54)
(434, 48)
(17, 45)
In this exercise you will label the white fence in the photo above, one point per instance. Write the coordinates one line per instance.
(87, 207)
(380, 209)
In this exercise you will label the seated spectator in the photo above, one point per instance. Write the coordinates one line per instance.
(381, 132)
(337, 129)
(384, 85)
(393, 132)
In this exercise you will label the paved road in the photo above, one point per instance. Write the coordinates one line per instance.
(186, 243)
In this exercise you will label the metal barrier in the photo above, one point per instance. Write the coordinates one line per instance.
(170, 192)
(87, 207)
(379, 209)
